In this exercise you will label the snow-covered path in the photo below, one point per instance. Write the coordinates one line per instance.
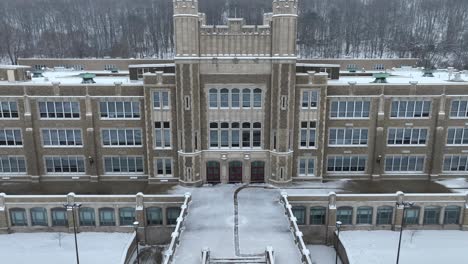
(211, 223)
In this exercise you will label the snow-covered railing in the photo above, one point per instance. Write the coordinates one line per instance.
(129, 249)
(169, 253)
(305, 254)
(269, 255)
(205, 258)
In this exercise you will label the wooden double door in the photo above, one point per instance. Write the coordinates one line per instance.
(213, 172)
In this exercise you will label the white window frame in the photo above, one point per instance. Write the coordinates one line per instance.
(162, 102)
(69, 157)
(459, 159)
(309, 95)
(219, 130)
(400, 158)
(220, 103)
(307, 132)
(9, 111)
(464, 136)
(13, 132)
(120, 157)
(357, 115)
(55, 102)
(349, 158)
(307, 162)
(117, 131)
(404, 130)
(165, 161)
(66, 130)
(345, 130)
(414, 101)
(458, 113)
(16, 159)
(115, 102)
(162, 130)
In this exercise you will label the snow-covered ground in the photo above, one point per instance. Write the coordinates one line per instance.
(456, 185)
(428, 247)
(321, 254)
(55, 248)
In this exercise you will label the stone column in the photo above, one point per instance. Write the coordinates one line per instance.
(246, 169)
(140, 216)
(465, 215)
(3, 215)
(398, 220)
(70, 211)
(331, 221)
(224, 169)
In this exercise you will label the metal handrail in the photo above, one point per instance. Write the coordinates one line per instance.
(269, 255)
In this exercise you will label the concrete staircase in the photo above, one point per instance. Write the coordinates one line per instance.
(239, 260)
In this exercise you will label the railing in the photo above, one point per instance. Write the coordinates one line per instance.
(205, 259)
(129, 249)
(305, 254)
(269, 255)
(169, 253)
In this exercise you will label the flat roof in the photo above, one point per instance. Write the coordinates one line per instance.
(155, 65)
(318, 65)
(14, 67)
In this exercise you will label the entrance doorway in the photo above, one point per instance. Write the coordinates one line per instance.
(257, 172)
(235, 171)
(213, 172)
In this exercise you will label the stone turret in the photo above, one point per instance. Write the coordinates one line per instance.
(186, 29)
(284, 23)
(186, 7)
(285, 7)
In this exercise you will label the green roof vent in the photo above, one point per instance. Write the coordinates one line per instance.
(428, 73)
(37, 74)
(114, 70)
(88, 77)
(380, 77)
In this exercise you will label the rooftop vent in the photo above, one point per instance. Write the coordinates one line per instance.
(428, 73)
(380, 77)
(458, 77)
(37, 74)
(88, 77)
(114, 70)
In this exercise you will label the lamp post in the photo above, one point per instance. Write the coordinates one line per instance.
(135, 226)
(73, 206)
(338, 225)
(405, 205)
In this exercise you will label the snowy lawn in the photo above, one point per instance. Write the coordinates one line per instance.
(47, 248)
(422, 246)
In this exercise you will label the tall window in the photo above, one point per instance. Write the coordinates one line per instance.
(235, 98)
(308, 134)
(452, 215)
(8, 109)
(317, 215)
(246, 96)
(123, 164)
(161, 100)
(163, 167)
(59, 217)
(10, 137)
(411, 216)
(172, 214)
(309, 99)
(457, 136)
(257, 98)
(407, 136)
(213, 93)
(87, 216)
(162, 134)
(384, 215)
(61, 137)
(364, 215)
(119, 110)
(350, 109)
(126, 216)
(122, 137)
(59, 110)
(154, 216)
(106, 217)
(411, 108)
(306, 167)
(459, 109)
(64, 164)
(345, 215)
(224, 98)
(232, 135)
(12, 164)
(38, 216)
(379, 67)
(18, 217)
(431, 215)
(455, 163)
(348, 136)
(300, 213)
(404, 163)
(346, 163)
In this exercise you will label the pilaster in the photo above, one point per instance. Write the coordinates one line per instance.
(3, 215)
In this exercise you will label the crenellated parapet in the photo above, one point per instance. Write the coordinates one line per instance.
(285, 7)
(185, 7)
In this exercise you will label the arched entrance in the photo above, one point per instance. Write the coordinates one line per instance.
(213, 172)
(235, 171)
(257, 171)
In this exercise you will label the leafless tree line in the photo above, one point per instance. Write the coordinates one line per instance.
(434, 30)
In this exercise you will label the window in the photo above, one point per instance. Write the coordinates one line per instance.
(87, 217)
(231, 98)
(309, 99)
(123, 164)
(246, 95)
(161, 100)
(404, 163)
(8, 109)
(162, 135)
(384, 215)
(11, 137)
(122, 137)
(119, 110)
(307, 135)
(172, 214)
(431, 215)
(348, 136)
(257, 102)
(38, 216)
(306, 167)
(64, 164)
(407, 136)
(300, 213)
(411, 109)
(379, 67)
(235, 98)
(18, 217)
(345, 215)
(106, 217)
(12, 164)
(163, 167)
(452, 215)
(346, 163)
(364, 215)
(459, 109)
(457, 136)
(154, 216)
(214, 143)
(349, 109)
(213, 98)
(455, 163)
(317, 215)
(61, 137)
(109, 67)
(224, 98)
(411, 216)
(231, 135)
(59, 217)
(59, 110)
(126, 216)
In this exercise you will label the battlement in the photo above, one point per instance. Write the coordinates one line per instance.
(234, 26)
(285, 7)
(185, 7)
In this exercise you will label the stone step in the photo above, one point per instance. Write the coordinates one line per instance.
(244, 260)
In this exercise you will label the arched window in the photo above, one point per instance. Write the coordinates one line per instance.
(345, 215)
(235, 98)
(154, 216)
(126, 216)
(257, 98)
(452, 215)
(213, 98)
(300, 213)
(246, 134)
(235, 135)
(172, 215)
(246, 95)
(364, 215)
(411, 216)
(317, 215)
(106, 217)
(214, 142)
(59, 217)
(38, 216)
(224, 134)
(224, 98)
(384, 215)
(87, 216)
(431, 215)
(18, 217)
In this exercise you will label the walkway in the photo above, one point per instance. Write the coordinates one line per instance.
(212, 222)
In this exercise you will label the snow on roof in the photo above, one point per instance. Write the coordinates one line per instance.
(13, 67)
(318, 65)
(151, 65)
